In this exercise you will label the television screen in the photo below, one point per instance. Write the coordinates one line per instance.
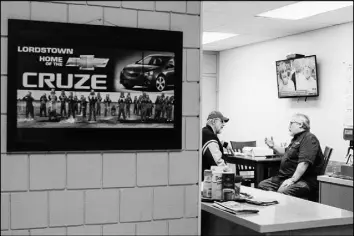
(74, 87)
(297, 77)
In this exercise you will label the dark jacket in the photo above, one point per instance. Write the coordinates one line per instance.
(208, 137)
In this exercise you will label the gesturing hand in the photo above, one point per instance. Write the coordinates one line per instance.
(269, 142)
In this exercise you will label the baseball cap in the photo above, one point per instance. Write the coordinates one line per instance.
(217, 114)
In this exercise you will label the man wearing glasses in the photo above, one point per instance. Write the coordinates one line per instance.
(212, 151)
(301, 162)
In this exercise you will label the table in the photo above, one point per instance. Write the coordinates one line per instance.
(260, 164)
(336, 192)
(292, 216)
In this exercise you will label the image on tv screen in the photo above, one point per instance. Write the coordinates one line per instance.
(297, 77)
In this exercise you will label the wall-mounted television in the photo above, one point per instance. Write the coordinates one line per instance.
(297, 77)
(77, 87)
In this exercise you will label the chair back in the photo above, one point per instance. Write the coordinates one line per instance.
(239, 145)
(236, 145)
(327, 154)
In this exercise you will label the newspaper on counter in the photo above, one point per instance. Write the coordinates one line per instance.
(261, 201)
(234, 207)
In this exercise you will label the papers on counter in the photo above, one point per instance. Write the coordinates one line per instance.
(262, 201)
(234, 207)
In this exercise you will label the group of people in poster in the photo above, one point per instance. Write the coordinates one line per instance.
(300, 75)
(71, 106)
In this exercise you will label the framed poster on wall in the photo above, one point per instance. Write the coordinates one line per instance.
(74, 87)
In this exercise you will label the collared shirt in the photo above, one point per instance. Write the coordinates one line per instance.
(304, 147)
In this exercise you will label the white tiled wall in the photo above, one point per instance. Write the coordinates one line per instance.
(49, 231)
(137, 193)
(3, 55)
(53, 167)
(66, 208)
(173, 6)
(153, 20)
(102, 206)
(29, 210)
(3, 94)
(120, 17)
(48, 12)
(13, 10)
(152, 228)
(141, 5)
(141, 199)
(119, 229)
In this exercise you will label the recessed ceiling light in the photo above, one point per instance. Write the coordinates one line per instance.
(302, 10)
(209, 37)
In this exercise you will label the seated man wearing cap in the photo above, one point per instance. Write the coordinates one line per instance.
(212, 152)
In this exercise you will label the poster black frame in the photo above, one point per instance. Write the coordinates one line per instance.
(91, 139)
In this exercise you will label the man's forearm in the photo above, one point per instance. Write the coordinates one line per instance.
(300, 170)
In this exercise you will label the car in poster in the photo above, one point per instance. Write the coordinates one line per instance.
(156, 71)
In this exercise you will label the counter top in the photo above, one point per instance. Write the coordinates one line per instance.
(333, 180)
(290, 214)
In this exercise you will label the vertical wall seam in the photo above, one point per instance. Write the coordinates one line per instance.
(9, 217)
(102, 16)
(185, 134)
(30, 10)
(118, 220)
(48, 208)
(66, 171)
(101, 160)
(184, 201)
(153, 203)
(28, 173)
(137, 19)
(168, 168)
(67, 13)
(84, 209)
(168, 227)
(136, 170)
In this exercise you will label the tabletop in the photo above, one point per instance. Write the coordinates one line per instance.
(254, 159)
(290, 214)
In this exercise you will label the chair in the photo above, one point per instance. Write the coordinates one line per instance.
(239, 145)
(247, 179)
(327, 154)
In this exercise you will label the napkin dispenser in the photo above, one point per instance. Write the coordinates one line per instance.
(257, 151)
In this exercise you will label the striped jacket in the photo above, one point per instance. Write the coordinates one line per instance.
(212, 151)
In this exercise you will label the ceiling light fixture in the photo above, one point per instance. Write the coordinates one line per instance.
(209, 37)
(302, 10)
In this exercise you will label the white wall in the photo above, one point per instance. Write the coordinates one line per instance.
(135, 193)
(208, 84)
(248, 88)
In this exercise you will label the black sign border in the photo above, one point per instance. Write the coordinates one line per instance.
(91, 139)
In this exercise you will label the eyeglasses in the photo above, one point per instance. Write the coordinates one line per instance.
(292, 122)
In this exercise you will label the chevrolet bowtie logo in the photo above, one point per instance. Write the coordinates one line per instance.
(87, 62)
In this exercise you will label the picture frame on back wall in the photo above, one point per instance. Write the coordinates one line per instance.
(75, 87)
